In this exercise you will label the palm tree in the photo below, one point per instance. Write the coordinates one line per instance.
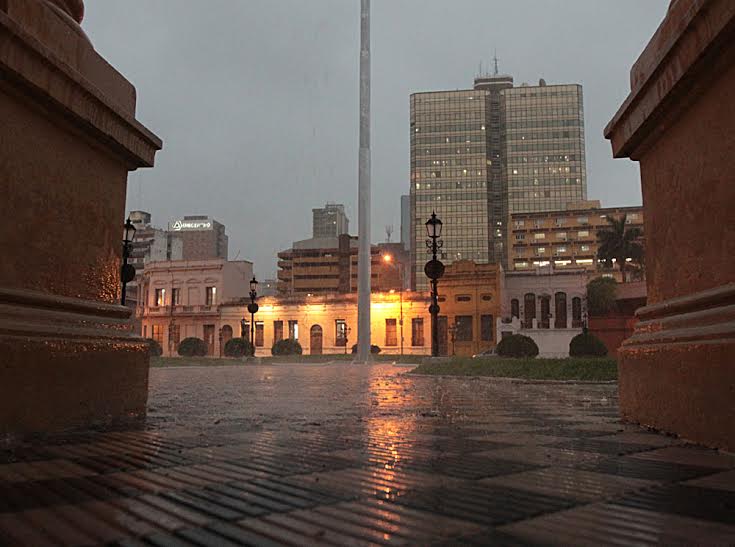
(620, 242)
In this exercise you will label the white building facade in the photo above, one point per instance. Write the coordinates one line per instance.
(548, 306)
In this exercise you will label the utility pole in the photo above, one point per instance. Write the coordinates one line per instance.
(363, 192)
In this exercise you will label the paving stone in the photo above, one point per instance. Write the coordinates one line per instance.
(720, 481)
(640, 468)
(483, 503)
(609, 447)
(691, 455)
(570, 483)
(610, 524)
(541, 456)
(689, 501)
(343, 455)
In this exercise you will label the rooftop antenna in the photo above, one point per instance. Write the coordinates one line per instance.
(495, 61)
(388, 232)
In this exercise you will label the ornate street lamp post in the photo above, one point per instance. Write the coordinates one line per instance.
(434, 269)
(253, 309)
(127, 271)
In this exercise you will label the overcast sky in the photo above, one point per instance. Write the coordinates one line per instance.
(257, 100)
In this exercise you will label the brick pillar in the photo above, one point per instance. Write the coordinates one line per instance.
(68, 138)
(677, 371)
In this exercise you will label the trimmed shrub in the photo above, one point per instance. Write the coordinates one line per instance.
(587, 345)
(239, 347)
(373, 349)
(289, 346)
(193, 347)
(601, 296)
(517, 345)
(154, 348)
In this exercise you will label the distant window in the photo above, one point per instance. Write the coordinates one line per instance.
(157, 333)
(515, 310)
(576, 312)
(562, 236)
(340, 332)
(585, 247)
(293, 329)
(174, 336)
(463, 298)
(520, 237)
(560, 308)
(259, 334)
(539, 235)
(211, 296)
(160, 297)
(487, 297)
(277, 331)
(463, 323)
(560, 222)
(486, 328)
(175, 297)
(417, 331)
(583, 233)
(583, 220)
(391, 336)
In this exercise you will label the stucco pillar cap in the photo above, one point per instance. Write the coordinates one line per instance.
(75, 8)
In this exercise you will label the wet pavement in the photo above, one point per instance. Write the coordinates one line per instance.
(349, 455)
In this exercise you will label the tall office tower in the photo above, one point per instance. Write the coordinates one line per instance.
(330, 221)
(544, 141)
(406, 239)
(479, 155)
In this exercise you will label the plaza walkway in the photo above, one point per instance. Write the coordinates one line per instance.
(349, 455)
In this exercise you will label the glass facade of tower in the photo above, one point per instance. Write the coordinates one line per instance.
(544, 147)
(449, 175)
(481, 155)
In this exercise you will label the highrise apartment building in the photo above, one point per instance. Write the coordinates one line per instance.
(330, 221)
(482, 154)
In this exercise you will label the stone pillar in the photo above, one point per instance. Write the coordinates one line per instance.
(68, 137)
(677, 371)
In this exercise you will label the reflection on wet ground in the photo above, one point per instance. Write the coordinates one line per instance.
(350, 455)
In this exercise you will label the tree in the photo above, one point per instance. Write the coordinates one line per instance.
(602, 296)
(620, 242)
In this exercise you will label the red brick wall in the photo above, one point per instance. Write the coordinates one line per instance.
(612, 330)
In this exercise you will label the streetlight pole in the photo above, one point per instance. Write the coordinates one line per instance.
(127, 271)
(363, 192)
(434, 269)
(253, 309)
(389, 259)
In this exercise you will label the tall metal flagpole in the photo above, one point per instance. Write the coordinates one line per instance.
(363, 193)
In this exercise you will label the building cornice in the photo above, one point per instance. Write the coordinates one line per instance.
(692, 45)
(68, 79)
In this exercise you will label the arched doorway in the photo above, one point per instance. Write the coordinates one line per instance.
(560, 310)
(226, 337)
(529, 310)
(315, 342)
